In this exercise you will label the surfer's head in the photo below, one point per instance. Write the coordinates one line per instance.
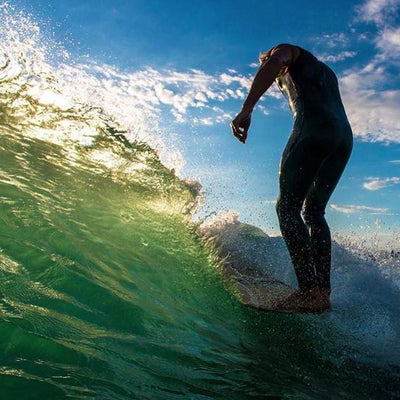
(264, 56)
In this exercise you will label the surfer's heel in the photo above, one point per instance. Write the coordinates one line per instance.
(305, 301)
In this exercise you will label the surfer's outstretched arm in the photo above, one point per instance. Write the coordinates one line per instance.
(280, 56)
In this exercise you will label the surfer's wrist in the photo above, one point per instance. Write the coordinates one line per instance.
(247, 109)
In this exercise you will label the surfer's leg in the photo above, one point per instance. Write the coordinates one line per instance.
(314, 210)
(297, 173)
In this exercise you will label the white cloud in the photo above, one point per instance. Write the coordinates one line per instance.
(228, 79)
(200, 96)
(206, 121)
(379, 183)
(333, 40)
(388, 43)
(152, 91)
(351, 209)
(263, 109)
(240, 93)
(373, 112)
(380, 12)
(371, 93)
(222, 118)
(333, 58)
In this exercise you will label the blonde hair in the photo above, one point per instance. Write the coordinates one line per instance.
(263, 56)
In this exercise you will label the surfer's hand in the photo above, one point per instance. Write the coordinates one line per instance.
(240, 125)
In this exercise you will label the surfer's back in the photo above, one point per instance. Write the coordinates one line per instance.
(310, 85)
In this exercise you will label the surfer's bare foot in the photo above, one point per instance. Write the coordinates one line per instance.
(325, 293)
(313, 300)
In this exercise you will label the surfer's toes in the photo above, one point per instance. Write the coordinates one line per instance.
(312, 301)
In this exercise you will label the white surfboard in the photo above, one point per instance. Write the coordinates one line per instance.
(260, 292)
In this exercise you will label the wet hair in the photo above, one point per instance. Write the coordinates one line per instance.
(263, 56)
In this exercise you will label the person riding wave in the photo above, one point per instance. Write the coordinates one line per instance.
(312, 163)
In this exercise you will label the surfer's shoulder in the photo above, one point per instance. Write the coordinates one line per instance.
(286, 53)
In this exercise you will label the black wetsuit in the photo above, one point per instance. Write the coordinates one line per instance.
(312, 163)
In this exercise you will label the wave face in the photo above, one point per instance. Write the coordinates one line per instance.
(106, 291)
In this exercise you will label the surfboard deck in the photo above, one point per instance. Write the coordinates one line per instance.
(262, 293)
(257, 291)
(265, 293)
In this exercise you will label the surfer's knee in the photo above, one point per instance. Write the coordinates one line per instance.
(287, 209)
(313, 215)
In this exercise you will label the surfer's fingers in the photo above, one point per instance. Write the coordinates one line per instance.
(239, 132)
(234, 128)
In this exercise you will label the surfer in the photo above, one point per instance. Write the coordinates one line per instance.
(312, 163)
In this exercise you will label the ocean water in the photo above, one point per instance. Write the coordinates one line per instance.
(107, 288)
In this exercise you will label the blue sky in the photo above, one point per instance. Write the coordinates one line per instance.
(182, 68)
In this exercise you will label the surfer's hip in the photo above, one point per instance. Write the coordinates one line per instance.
(321, 133)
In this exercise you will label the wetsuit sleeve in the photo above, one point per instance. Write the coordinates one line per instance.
(281, 56)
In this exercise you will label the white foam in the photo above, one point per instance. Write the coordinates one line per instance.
(365, 294)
